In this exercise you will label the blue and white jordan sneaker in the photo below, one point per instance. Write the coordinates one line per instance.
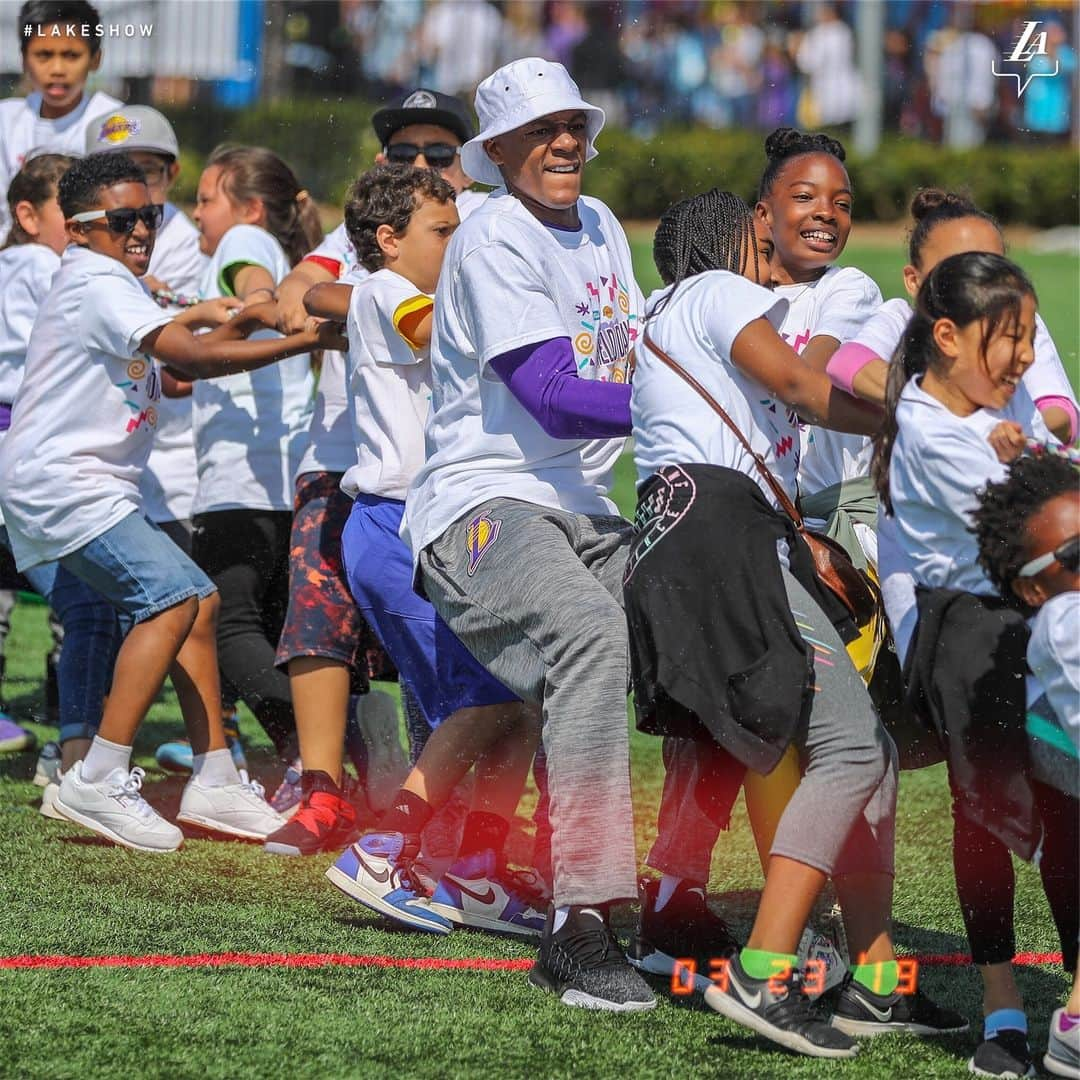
(476, 893)
(374, 872)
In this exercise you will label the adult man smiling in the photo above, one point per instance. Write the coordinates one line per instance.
(518, 547)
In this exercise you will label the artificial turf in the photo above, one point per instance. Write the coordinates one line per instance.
(65, 893)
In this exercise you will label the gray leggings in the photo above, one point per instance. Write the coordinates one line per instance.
(842, 817)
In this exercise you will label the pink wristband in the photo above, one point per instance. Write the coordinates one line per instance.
(1067, 406)
(847, 362)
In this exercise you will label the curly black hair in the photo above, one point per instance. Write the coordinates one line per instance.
(786, 143)
(1000, 522)
(66, 12)
(80, 185)
(388, 195)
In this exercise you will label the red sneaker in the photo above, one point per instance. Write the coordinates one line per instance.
(324, 821)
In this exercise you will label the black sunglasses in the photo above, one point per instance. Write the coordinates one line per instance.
(438, 155)
(122, 222)
(1067, 555)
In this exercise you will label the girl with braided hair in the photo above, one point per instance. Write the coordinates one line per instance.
(766, 667)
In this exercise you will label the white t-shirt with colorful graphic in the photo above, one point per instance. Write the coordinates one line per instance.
(250, 428)
(509, 281)
(22, 129)
(835, 305)
(169, 481)
(85, 413)
(389, 385)
(673, 424)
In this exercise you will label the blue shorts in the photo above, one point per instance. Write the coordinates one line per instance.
(138, 569)
(440, 671)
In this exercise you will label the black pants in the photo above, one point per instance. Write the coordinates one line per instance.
(246, 555)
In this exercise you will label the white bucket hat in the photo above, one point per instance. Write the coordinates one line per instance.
(515, 95)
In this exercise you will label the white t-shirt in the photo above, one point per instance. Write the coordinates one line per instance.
(389, 385)
(85, 414)
(835, 305)
(168, 483)
(1053, 654)
(673, 424)
(938, 463)
(250, 428)
(26, 272)
(22, 129)
(509, 281)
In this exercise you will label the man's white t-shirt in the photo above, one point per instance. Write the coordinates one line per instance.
(389, 384)
(835, 305)
(85, 414)
(1053, 654)
(250, 428)
(673, 424)
(509, 281)
(22, 129)
(168, 483)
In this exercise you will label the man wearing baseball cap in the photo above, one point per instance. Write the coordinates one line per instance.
(517, 545)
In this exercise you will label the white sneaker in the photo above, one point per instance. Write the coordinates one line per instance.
(47, 770)
(48, 801)
(377, 715)
(113, 808)
(234, 809)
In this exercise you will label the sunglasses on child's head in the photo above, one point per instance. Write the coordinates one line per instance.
(437, 155)
(1068, 555)
(122, 221)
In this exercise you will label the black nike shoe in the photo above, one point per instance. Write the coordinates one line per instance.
(860, 1011)
(583, 965)
(684, 928)
(1005, 1055)
(779, 1010)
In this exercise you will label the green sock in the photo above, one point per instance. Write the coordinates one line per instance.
(760, 964)
(882, 978)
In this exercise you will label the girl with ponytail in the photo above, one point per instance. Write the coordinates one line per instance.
(959, 365)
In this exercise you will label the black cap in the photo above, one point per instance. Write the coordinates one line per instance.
(425, 107)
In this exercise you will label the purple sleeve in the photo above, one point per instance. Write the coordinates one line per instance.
(543, 377)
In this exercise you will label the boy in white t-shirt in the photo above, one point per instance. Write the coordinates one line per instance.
(69, 477)
(57, 60)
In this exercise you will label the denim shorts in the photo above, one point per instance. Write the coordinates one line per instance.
(138, 569)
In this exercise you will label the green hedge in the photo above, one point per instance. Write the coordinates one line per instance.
(328, 143)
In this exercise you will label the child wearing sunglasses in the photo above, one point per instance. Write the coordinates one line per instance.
(82, 425)
(1028, 529)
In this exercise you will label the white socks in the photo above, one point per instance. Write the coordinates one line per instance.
(215, 768)
(102, 757)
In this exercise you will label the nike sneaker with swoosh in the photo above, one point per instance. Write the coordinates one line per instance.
(1062, 1056)
(779, 1010)
(379, 873)
(581, 964)
(477, 893)
(860, 1011)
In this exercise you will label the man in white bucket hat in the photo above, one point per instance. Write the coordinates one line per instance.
(517, 545)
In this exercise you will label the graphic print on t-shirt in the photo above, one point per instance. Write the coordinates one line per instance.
(607, 330)
(141, 370)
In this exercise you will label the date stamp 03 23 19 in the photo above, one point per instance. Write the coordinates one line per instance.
(685, 970)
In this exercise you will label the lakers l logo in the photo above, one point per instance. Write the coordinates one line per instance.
(481, 533)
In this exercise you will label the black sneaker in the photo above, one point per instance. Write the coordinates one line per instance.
(685, 928)
(862, 1012)
(1005, 1055)
(778, 1009)
(583, 965)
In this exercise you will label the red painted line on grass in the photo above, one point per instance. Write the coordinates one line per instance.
(415, 963)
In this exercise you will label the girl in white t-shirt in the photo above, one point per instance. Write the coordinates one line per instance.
(28, 263)
(255, 222)
(960, 363)
(764, 629)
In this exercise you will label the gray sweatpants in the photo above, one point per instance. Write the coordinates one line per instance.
(842, 817)
(536, 596)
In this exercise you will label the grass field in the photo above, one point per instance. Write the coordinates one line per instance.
(64, 893)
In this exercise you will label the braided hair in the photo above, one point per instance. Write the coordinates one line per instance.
(710, 231)
(931, 207)
(971, 287)
(786, 143)
(1000, 522)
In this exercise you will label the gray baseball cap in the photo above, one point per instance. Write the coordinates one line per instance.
(132, 127)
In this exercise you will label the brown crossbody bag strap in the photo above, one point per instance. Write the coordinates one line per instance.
(782, 496)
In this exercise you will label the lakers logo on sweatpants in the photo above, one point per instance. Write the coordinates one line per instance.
(479, 536)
